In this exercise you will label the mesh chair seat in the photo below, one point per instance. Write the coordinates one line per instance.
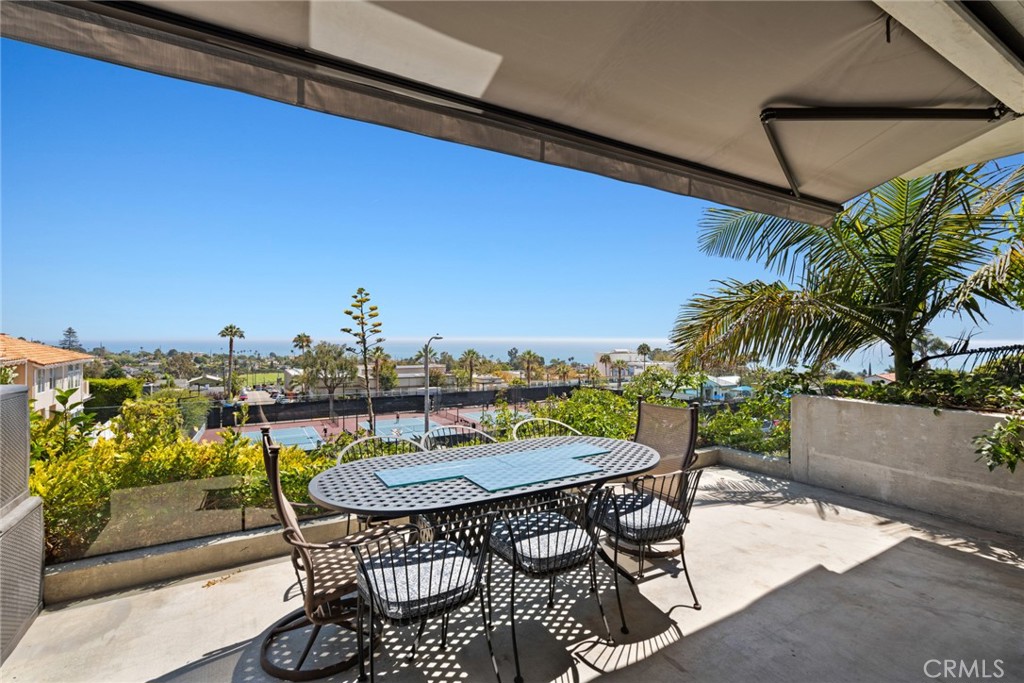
(641, 518)
(419, 580)
(541, 542)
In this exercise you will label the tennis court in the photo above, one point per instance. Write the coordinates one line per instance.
(477, 416)
(409, 427)
(305, 438)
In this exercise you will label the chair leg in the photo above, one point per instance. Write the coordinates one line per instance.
(359, 638)
(489, 617)
(512, 618)
(444, 632)
(416, 642)
(372, 628)
(640, 572)
(682, 559)
(551, 591)
(618, 591)
(600, 605)
(487, 636)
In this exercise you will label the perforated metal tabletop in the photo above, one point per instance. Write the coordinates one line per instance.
(356, 488)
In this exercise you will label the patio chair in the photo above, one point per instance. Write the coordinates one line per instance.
(654, 508)
(421, 573)
(453, 436)
(670, 430)
(376, 446)
(326, 575)
(543, 538)
(542, 426)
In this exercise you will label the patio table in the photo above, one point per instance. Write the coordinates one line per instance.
(359, 487)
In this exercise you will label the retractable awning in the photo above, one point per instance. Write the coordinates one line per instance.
(788, 108)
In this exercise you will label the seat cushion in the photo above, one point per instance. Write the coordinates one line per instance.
(541, 542)
(419, 580)
(642, 518)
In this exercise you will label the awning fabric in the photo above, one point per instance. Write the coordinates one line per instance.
(664, 94)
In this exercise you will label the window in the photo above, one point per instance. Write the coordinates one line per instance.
(40, 380)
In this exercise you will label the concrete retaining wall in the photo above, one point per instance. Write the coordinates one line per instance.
(920, 458)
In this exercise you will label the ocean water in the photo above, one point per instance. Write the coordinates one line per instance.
(581, 350)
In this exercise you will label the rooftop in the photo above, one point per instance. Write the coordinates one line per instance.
(12, 348)
(797, 584)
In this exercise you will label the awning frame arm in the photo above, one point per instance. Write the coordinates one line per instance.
(770, 115)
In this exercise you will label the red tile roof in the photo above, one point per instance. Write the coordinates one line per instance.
(12, 348)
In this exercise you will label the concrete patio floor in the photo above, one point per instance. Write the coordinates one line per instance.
(797, 584)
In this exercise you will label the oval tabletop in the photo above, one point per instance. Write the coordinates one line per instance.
(357, 488)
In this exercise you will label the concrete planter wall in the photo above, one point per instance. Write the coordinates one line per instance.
(920, 458)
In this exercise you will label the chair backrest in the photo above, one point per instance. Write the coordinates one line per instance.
(285, 511)
(453, 436)
(542, 426)
(670, 430)
(374, 446)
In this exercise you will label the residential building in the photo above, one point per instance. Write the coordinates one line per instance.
(634, 361)
(45, 370)
(881, 378)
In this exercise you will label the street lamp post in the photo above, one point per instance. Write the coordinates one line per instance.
(426, 382)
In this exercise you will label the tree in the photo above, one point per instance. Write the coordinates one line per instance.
(302, 341)
(620, 366)
(892, 262)
(927, 344)
(70, 341)
(513, 356)
(530, 360)
(367, 333)
(644, 350)
(332, 367)
(605, 360)
(232, 332)
(180, 365)
(469, 360)
(115, 371)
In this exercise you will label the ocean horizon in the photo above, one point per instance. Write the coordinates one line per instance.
(581, 350)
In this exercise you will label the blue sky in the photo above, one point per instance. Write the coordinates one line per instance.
(140, 207)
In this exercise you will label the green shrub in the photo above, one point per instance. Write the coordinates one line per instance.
(113, 392)
(850, 388)
(594, 412)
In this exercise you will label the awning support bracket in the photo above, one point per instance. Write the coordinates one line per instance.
(772, 114)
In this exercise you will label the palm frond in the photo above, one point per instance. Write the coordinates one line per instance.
(767, 320)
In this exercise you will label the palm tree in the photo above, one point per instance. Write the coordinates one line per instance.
(468, 360)
(379, 357)
(892, 262)
(232, 332)
(620, 366)
(302, 342)
(644, 350)
(605, 360)
(528, 359)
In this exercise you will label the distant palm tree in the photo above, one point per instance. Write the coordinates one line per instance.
(232, 332)
(378, 355)
(620, 367)
(605, 360)
(469, 359)
(530, 360)
(644, 350)
(302, 341)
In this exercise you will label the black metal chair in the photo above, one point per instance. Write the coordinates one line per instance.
(544, 537)
(326, 575)
(454, 436)
(542, 426)
(420, 573)
(376, 446)
(654, 508)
